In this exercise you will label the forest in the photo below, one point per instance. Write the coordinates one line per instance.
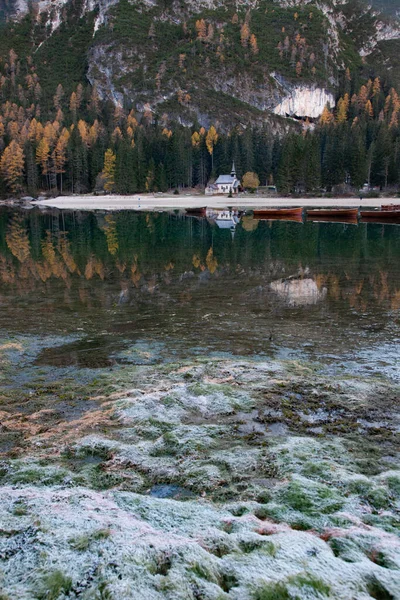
(82, 144)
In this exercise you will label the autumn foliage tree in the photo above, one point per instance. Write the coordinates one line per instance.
(211, 140)
(109, 170)
(12, 166)
(250, 181)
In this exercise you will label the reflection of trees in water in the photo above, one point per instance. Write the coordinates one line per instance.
(110, 231)
(17, 238)
(148, 251)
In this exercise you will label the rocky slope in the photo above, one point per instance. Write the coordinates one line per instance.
(201, 61)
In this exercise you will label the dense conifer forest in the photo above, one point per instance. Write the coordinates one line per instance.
(81, 144)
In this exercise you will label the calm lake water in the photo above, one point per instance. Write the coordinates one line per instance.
(132, 287)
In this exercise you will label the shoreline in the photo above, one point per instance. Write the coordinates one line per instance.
(150, 202)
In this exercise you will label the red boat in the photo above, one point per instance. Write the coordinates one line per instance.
(381, 215)
(333, 214)
(265, 213)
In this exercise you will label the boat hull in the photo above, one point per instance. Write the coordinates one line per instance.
(278, 212)
(292, 219)
(338, 213)
(380, 214)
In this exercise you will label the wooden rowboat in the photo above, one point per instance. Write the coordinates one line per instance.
(381, 215)
(333, 213)
(278, 212)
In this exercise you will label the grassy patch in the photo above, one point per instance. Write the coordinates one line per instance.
(82, 542)
(52, 585)
(272, 591)
(306, 580)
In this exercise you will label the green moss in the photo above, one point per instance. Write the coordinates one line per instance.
(83, 542)
(258, 544)
(295, 497)
(100, 479)
(203, 571)
(378, 498)
(39, 476)
(393, 483)
(52, 585)
(377, 590)
(306, 580)
(272, 591)
(20, 509)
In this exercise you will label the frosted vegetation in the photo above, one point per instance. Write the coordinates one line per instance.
(206, 480)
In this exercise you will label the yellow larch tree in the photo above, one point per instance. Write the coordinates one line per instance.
(109, 170)
(196, 139)
(244, 35)
(343, 109)
(94, 132)
(59, 154)
(253, 44)
(116, 135)
(201, 28)
(211, 140)
(326, 117)
(368, 109)
(376, 86)
(131, 120)
(83, 129)
(12, 166)
(43, 155)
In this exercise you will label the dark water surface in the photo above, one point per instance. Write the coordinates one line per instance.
(145, 287)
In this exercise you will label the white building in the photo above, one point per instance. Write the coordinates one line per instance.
(225, 184)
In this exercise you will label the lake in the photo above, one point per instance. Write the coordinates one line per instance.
(184, 285)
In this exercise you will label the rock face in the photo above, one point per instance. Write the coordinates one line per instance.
(209, 61)
(305, 101)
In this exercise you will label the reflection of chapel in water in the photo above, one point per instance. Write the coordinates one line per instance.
(224, 219)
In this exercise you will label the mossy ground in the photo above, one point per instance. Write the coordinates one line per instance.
(281, 483)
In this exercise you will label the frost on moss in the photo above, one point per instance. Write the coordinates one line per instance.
(268, 508)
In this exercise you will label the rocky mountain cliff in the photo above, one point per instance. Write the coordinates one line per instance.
(201, 61)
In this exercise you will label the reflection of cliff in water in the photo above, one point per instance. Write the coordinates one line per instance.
(298, 292)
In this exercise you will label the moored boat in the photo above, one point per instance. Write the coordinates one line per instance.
(278, 212)
(333, 213)
(381, 215)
